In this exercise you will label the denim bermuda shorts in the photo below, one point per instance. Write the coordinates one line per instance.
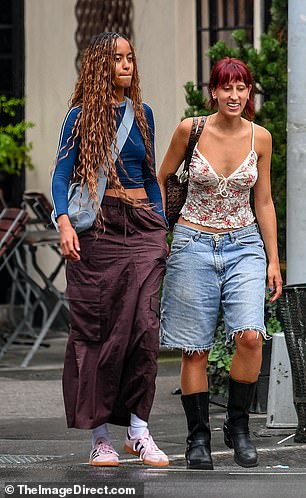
(207, 271)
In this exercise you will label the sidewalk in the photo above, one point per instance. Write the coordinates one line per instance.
(32, 415)
(36, 446)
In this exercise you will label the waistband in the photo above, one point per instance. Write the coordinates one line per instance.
(230, 234)
(109, 200)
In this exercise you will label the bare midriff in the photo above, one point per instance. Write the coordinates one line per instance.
(133, 193)
(201, 227)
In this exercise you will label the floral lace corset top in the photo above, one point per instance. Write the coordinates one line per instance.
(218, 201)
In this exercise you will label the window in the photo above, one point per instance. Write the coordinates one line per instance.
(12, 77)
(11, 85)
(95, 16)
(217, 19)
(12, 48)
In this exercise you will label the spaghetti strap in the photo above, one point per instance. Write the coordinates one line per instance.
(252, 135)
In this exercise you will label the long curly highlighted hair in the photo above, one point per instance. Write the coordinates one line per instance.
(95, 92)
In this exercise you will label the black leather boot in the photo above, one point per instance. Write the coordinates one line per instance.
(236, 425)
(198, 452)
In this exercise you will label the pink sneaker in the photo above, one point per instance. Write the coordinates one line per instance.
(103, 454)
(146, 449)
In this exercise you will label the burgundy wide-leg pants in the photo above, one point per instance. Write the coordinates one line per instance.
(113, 292)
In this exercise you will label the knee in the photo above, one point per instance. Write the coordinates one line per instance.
(196, 360)
(249, 341)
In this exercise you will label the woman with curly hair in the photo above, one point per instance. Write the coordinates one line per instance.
(114, 266)
(218, 259)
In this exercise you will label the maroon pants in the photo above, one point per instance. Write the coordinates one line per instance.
(113, 292)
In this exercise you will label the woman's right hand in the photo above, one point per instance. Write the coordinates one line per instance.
(70, 246)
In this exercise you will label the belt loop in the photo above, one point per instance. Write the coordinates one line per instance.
(197, 236)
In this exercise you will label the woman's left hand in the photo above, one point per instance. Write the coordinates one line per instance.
(275, 282)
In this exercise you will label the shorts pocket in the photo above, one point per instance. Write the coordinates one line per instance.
(250, 239)
(85, 311)
(180, 243)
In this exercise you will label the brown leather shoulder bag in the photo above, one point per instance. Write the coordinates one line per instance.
(177, 185)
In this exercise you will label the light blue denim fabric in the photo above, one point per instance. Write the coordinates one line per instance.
(206, 271)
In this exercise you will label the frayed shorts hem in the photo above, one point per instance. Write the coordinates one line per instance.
(187, 349)
(231, 335)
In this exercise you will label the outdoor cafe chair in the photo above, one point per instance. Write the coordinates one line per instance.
(34, 284)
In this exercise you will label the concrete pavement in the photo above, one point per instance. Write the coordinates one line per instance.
(35, 444)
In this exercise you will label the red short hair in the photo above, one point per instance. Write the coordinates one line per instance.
(227, 70)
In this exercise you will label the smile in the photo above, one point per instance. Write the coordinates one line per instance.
(233, 106)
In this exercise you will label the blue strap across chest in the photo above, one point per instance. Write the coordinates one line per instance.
(81, 209)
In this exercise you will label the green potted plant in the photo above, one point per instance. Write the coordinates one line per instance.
(14, 150)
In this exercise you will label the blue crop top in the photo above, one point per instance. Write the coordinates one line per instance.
(138, 173)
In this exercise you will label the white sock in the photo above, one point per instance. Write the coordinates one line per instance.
(137, 426)
(100, 431)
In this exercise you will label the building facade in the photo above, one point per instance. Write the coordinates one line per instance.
(41, 43)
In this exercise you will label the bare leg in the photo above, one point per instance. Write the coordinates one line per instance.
(247, 358)
(194, 373)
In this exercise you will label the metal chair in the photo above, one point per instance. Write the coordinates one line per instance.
(37, 296)
(40, 206)
(12, 232)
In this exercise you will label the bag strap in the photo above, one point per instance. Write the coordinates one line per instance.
(122, 133)
(195, 134)
(124, 128)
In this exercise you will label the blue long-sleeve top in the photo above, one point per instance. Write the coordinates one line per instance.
(133, 155)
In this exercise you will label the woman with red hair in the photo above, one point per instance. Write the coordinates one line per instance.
(218, 259)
